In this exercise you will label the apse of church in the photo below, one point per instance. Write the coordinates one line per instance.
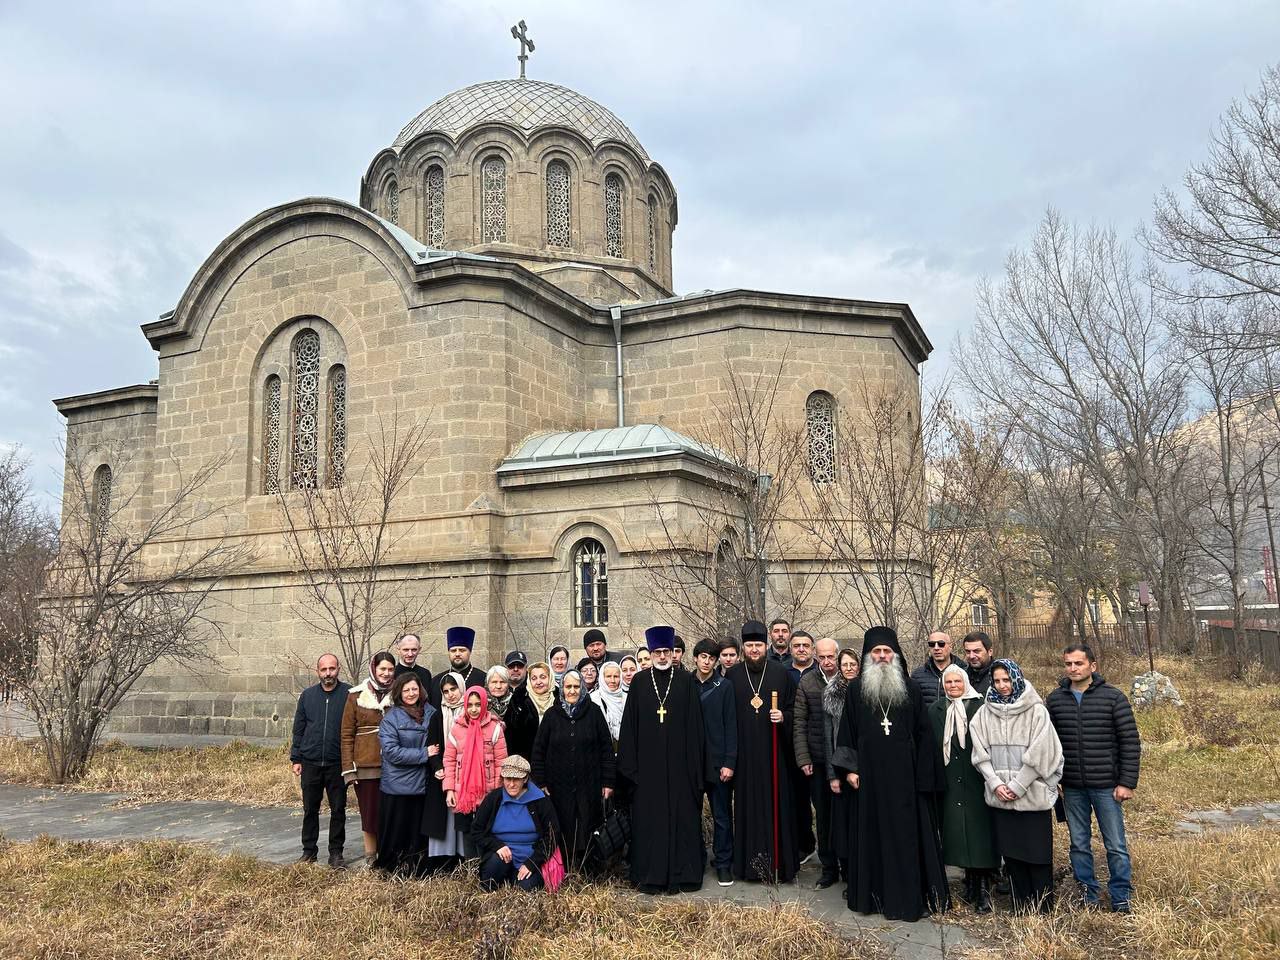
(511, 246)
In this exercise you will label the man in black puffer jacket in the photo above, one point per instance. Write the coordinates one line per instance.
(929, 674)
(1101, 753)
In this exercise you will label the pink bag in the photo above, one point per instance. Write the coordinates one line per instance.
(553, 871)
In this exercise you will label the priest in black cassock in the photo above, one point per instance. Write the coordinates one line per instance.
(885, 749)
(660, 751)
(764, 841)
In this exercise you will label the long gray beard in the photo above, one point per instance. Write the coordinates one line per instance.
(883, 683)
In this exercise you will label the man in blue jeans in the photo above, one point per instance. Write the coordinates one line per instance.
(1101, 752)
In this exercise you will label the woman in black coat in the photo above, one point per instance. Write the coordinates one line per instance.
(574, 763)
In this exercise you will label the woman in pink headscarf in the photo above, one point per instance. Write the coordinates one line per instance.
(473, 755)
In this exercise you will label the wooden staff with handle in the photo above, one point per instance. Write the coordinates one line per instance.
(774, 706)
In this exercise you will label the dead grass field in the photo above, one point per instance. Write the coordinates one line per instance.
(1206, 897)
(104, 902)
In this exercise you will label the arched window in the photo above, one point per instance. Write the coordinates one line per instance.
(820, 423)
(435, 207)
(100, 515)
(558, 232)
(613, 245)
(590, 584)
(337, 425)
(392, 201)
(653, 234)
(493, 201)
(304, 463)
(731, 606)
(272, 404)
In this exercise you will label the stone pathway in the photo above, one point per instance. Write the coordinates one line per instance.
(271, 834)
(1210, 821)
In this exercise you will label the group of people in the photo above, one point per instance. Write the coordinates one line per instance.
(798, 748)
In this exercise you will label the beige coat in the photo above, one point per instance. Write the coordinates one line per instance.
(361, 752)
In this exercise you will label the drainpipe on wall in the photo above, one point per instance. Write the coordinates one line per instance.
(616, 314)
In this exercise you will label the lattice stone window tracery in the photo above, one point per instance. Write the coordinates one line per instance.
(493, 201)
(590, 584)
(820, 422)
(392, 205)
(101, 505)
(653, 234)
(613, 245)
(337, 425)
(272, 425)
(306, 404)
(435, 207)
(559, 233)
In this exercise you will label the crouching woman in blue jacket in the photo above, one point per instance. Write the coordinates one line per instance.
(403, 790)
(515, 831)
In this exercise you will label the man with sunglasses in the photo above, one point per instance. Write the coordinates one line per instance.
(929, 674)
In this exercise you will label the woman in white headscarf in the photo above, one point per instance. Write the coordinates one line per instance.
(611, 698)
(968, 839)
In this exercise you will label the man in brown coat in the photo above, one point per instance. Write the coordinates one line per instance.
(811, 750)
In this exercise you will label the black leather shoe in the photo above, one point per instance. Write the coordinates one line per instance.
(982, 897)
(824, 881)
(724, 877)
(336, 861)
(306, 858)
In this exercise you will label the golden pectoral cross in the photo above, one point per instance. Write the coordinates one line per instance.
(886, 723)
(662, 714)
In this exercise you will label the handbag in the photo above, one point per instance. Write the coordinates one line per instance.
(553, 871)
(612, 837)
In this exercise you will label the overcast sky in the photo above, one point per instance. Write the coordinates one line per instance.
(875, 150)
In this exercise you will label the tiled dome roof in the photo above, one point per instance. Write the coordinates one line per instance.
(526, 104)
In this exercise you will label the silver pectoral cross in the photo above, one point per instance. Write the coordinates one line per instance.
(518, 32)
(886, 723)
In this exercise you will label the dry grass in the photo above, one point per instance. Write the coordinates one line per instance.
(160, 899)
(237, 772)
(1194, 896)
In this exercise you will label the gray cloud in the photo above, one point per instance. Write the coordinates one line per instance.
(866, 150)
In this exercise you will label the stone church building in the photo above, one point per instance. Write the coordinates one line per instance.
(506, 275)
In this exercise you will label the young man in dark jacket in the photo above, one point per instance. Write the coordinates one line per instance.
(929, 674)
(720, 730)
(1101, 751)
(316, 755)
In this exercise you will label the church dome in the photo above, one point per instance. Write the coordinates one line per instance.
(528, 105)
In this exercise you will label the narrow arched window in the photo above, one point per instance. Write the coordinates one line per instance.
(493, 201)
(820, 424)
(337, 425)
(590, 584)
(558, 232)
(306, 408)
(100, 508)
(271, 430)
(613, 245)
(653, 234)
(392, 201)
(731, 606)
(435, 207)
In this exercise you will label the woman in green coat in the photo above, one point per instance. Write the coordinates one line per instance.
(968, 839)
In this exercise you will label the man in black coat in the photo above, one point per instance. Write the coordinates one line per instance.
(720, 729)
(660, 753)
(596, 647)
(810, 739)
(978, 658)
(316, 755)
(407, 649)
(928, 676)
(1101, 751)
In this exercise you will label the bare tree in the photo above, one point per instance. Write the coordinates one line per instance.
(28, 542)
(735, 553)
(132, 584)
(1072, 349)
(1226, 232)
(343, 542)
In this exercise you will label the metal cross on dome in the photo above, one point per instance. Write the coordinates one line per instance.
(518, 32)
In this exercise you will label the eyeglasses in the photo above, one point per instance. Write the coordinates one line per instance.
(937, 643)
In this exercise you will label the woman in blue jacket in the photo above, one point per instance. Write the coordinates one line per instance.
(405, 753)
